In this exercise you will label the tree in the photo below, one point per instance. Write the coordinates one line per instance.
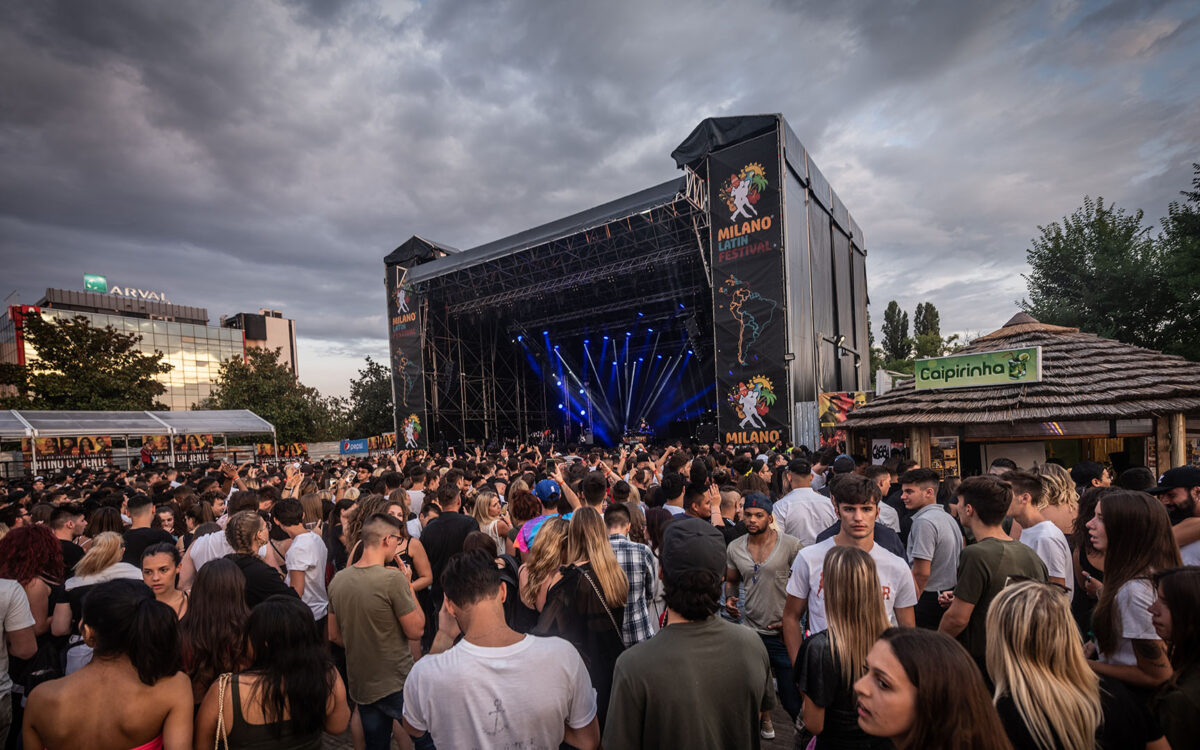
(1179, 243)
(876, 354)
(267, 387)
(1099, 271)
(926, 320)
(896, 343)
(370, 409)
(927, 340)
(80, 366)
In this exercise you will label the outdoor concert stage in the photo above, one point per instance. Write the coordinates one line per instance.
(731, 296)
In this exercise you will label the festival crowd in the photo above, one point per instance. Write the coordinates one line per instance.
(644, 597)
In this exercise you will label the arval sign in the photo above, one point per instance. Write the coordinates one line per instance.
(95, 283)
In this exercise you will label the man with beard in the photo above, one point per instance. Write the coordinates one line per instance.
(762, 560)
(1179, 491)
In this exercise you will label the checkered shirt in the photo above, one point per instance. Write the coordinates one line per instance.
(638, 563)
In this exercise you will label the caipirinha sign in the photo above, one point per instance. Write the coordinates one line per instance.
(1007, 367)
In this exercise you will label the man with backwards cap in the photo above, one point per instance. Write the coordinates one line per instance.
(762, 559)
(1179, 491)
(700, 682)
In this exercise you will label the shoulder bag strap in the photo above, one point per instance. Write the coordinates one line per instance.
(603, 601)
(222, 735)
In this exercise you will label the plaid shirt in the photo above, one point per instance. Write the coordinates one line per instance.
(638, 563)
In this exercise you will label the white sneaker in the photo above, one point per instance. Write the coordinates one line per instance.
(766, 730)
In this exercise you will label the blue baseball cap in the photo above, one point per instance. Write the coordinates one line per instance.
(758, 500)
(547, 491)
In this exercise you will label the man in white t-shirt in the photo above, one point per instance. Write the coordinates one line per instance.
(1040, 535)
(305, 559)
(16, 628)
(476, 693)
(857, 508)
(803, 512)
(416, 493)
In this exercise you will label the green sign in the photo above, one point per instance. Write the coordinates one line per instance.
(1006, 367)
(94, 283)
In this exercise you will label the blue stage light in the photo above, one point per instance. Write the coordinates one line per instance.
(606, 338)
(627, 333)
(641, 315)
(660, 356)
(639, 359)
(545, 332)
(520, 338)
(556, 347)
(582, 413)
(651, 330)
(585, 341)
(558, 382)
(561, 406)
(580, 391)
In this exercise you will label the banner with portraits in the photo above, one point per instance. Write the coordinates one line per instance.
(190, 449)
(68, 451)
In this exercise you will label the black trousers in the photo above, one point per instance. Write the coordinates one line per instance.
(928, 612)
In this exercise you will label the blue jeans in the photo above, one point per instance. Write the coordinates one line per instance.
(789, 696)
(377, 723)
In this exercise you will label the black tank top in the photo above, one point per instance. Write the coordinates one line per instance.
(246, 736)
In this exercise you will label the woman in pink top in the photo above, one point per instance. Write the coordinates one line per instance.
(132, 694)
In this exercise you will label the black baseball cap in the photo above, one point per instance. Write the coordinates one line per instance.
(1180, 476)
(692, 544)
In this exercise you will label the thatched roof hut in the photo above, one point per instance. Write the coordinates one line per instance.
(1090, 386)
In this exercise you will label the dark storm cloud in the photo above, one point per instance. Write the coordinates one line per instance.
(269, 154)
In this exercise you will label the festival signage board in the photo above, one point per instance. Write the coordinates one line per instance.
(407, 351)
(749, 304)
(68, 451)
(979, 369)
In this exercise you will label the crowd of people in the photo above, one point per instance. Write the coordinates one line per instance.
(641, 597)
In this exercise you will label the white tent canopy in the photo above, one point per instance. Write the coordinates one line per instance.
(22, 423)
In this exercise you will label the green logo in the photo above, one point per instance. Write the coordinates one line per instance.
(981, 369)
(94, 283)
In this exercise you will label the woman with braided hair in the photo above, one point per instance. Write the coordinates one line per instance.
(246, 532)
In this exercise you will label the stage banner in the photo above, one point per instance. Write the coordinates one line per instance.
(750, 312)
(68, 452)
(293, 450)
(408, 360)
(264, 450)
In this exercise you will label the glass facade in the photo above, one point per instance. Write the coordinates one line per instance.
(195, 351)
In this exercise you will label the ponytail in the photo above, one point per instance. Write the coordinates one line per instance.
(128, 621)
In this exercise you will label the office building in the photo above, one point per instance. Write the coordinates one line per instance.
(194, 348)
(267, 329)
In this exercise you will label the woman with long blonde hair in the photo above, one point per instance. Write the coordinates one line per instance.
(830, 662)
(587, 605)
(540, 571)
(491, 515)
(1060, 501)
(1046, 694)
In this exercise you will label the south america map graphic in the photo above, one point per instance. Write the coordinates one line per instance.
(752, 311)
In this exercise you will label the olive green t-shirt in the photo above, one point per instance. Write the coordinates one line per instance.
(983, 570)
(693, 685)
(368, 603)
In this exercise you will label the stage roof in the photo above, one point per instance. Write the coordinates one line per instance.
(629, 205)
(19, 423)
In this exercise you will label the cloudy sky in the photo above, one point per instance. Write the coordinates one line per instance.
(247, 154)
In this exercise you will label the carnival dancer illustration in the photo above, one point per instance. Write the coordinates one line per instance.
(741, 199)
(748, 400)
